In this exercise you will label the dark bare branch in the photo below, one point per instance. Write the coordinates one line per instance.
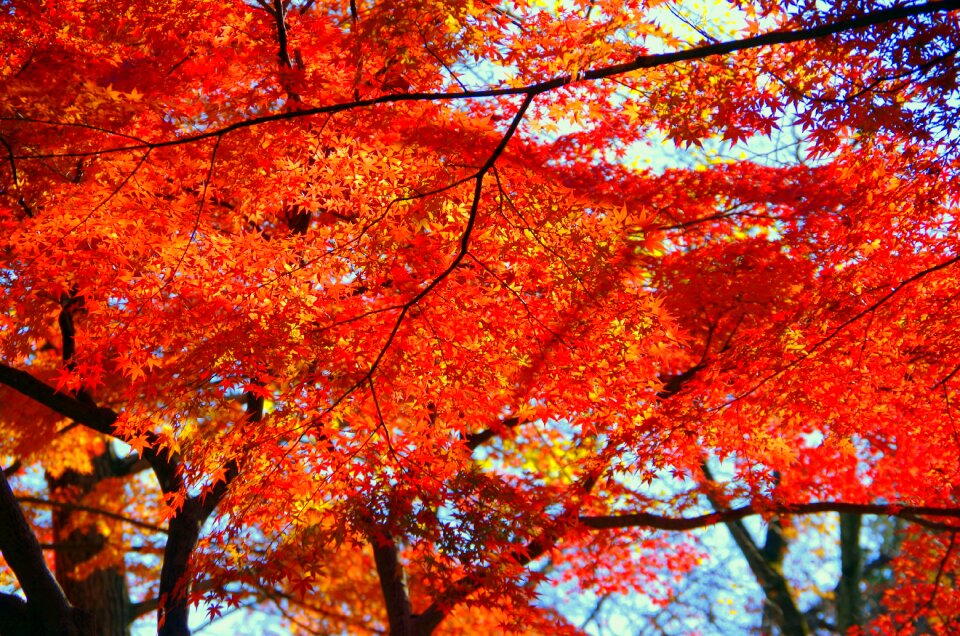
(680, 524)
(38, 501)
(96, 418)
(641, 62)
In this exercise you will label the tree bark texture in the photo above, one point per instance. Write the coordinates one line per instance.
(103, 593)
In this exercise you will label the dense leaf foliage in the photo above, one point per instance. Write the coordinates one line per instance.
(366, 315)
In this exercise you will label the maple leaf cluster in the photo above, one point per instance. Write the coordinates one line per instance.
(366, 316)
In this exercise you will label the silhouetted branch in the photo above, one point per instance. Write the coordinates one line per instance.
(640, 62)
(661, 522)
(37, 501)
(474, 440)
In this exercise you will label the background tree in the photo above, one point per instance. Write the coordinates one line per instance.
(356, 313)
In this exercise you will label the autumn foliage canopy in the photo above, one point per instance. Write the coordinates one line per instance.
(370, 315)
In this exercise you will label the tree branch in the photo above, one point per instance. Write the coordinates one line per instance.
(465, 236)
(144, 607)
(640, 62)
(660, 522)
(46, 603)
(474, 440)
(37, 501)
(279, 15)
(94, 417)
(184, 532)
(780, 606)
(129, 465)
(431, 618)
(395, 595)
(16, 179)
(184, 527)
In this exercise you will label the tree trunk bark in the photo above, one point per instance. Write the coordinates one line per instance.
(103, 593)
(780, 607)
(46, 612)
(849, 598)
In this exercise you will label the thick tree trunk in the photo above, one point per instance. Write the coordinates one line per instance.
(395, 595)
(849, 598)
(46, 612)
(103, 593)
